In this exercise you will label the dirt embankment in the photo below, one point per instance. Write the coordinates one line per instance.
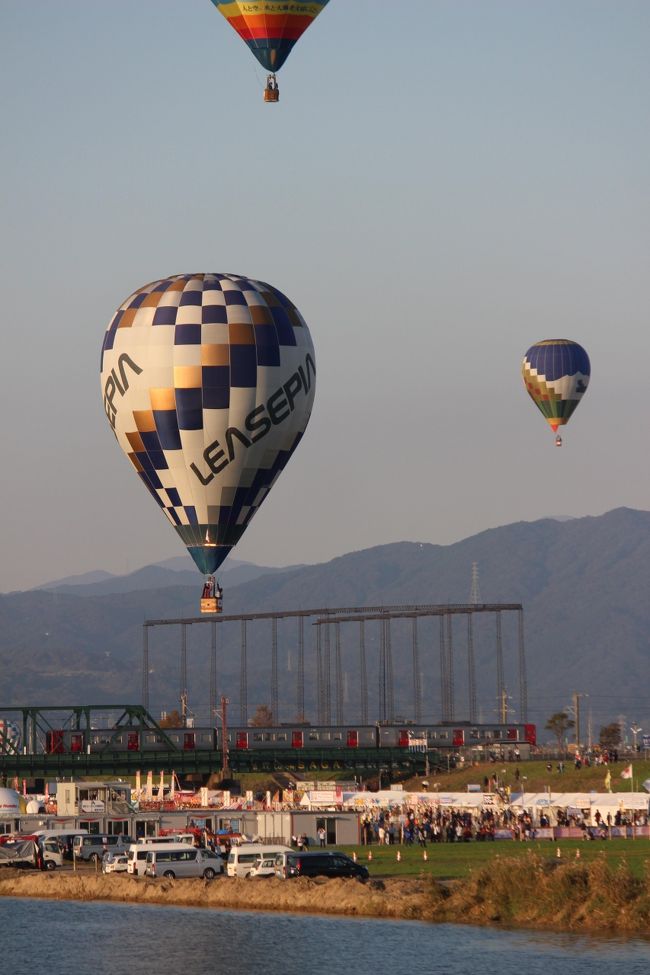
(529, 893)
(378, 898)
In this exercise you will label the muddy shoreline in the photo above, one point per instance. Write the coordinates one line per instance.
(533, 894)
(390, 898)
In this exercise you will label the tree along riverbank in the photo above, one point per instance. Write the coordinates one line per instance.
(530, 892)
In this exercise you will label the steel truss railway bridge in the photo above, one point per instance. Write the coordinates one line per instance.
(113, 758)
(34, 761)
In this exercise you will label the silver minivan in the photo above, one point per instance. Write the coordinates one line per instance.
(137, 852)
(183, 861)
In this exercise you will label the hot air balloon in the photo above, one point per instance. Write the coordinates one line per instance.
(208, 383)
(270, 28)
(556, 375)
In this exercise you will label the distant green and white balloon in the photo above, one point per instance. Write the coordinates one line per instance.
(556, 374)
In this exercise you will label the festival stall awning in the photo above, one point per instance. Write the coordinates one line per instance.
(602, 801)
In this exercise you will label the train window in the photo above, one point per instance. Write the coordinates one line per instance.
(337, 736)
(443, 735)
(99, 740)
(325, 736)
(281, 736)
(153, 739)
(313, 736)
(258, 736)
(268, 736)
(474, 735)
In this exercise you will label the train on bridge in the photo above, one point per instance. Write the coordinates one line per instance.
(294, 740)
(70, 741)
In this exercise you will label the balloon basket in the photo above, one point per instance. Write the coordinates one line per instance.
(271, 95)
(210, 605)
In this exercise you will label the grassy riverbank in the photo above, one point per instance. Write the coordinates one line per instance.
(455, 861)
(590, 896)
(534, 892)
(534, 776)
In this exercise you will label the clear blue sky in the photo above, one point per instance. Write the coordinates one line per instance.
(444, 183)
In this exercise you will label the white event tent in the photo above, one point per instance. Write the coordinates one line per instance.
(589, 803)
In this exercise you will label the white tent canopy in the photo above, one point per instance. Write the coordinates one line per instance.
(442, 800)
(588, 802)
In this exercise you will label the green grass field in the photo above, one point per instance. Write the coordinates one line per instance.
(535, 777)
(449, 861)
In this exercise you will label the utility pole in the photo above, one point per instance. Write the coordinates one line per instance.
(222, 714)
(635, 729)
(576, 711)
(475, 591)
(503, 707)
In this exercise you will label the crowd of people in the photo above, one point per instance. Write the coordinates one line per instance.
(427, 824)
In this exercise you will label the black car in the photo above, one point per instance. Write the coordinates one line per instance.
(323, 864)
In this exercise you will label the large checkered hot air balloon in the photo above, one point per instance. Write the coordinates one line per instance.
(556, 375)
(270, 28)
(208, 383)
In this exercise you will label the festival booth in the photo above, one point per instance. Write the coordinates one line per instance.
(584, 806)
(460, 801)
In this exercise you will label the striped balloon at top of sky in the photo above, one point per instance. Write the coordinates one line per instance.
(270, 27)
(208, 383)
(556, 375)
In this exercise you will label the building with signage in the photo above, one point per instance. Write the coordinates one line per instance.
(81, 799)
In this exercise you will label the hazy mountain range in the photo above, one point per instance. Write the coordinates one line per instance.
(583, 583)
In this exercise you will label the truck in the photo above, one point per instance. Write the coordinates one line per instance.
(31, 852)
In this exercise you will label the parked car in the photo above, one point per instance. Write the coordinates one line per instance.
(323, 864)
(137, 852)
(93, 847)
(115, 863)
(181, 860)
(263, 867)
(243, 856)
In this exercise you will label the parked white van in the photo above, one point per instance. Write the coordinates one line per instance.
(241, 859)
(181, 860)
(137, 852)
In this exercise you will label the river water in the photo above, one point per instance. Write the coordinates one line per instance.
(102, 939)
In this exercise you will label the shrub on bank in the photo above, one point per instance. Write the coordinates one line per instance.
(562, 894)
